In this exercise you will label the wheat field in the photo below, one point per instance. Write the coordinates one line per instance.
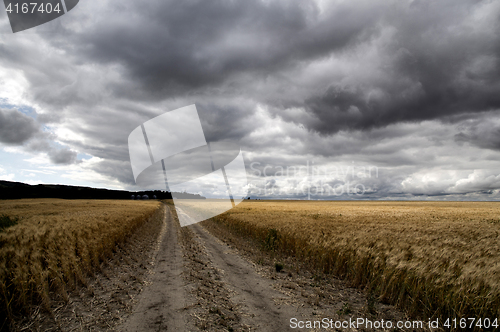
(433, 259)
(56, 244)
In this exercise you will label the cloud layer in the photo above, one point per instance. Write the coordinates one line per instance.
(410, 87)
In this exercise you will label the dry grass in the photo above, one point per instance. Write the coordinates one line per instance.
(439, 259)
(57, 243)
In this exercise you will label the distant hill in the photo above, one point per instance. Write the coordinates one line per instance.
(15, 190)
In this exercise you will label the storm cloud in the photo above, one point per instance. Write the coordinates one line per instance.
(411, 87)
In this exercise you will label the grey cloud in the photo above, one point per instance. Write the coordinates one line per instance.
(48, 118)
(483, 132)
(431, 66)
(413, 160)
(410, 86)
(62, 156)
(41, 144)
(225, 121)
(435, 65)
(115, 169)
(16, 127)
(176, 47)
(57, 155)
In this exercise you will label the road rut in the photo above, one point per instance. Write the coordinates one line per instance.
(161, 306)
(251, 292)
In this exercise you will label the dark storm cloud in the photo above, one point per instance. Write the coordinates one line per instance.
(410, 86)
(16, 127)
(436, 63)
(225, 121)
(439, 65)
(174, 47)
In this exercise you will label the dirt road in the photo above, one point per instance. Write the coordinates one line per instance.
(175, 301)
(201, 283)
(250, 292)
(161, 305)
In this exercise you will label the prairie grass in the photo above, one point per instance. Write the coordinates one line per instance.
(433, 259)
(56, 244)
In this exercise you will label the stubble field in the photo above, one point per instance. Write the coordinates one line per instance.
(433, 259)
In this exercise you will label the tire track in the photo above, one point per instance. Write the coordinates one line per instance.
(251, 293)
(161, 306)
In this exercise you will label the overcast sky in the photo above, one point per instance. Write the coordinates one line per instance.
(396, 99)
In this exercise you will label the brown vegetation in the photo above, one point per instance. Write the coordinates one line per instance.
(434, 259)
(57, 244)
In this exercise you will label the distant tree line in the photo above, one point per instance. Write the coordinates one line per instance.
(15, 190)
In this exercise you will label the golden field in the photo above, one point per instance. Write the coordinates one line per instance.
(57, 243)
(434, 259)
